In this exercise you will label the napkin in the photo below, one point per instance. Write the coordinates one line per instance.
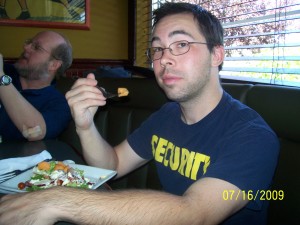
(22, 163)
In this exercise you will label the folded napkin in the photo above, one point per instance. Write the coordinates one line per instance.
(22, 163)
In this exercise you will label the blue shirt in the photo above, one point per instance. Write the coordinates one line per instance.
(48, 101)
(232, 143)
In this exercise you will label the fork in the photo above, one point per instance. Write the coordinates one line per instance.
(107, 94)
(9, 175)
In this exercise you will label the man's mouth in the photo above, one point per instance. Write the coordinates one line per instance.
(169, 77)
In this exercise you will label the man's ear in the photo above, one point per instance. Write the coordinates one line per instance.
(218, 55)
(55, 64)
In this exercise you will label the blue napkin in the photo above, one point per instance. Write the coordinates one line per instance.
(22, 163)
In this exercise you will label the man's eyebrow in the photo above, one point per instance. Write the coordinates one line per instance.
(173, 33)
(155, 39)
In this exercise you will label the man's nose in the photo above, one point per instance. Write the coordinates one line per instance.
(167, 57)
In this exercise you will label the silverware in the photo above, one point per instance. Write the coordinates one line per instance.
(6, 176)
(107, 94)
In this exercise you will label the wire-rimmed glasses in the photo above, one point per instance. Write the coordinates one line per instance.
(176, 48)
(37, 47)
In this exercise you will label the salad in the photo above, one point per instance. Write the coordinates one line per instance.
(55, 173)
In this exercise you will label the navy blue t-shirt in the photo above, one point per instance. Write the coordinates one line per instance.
(232, 143)
(48, 101)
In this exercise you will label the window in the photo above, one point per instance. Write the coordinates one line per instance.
(262, 38)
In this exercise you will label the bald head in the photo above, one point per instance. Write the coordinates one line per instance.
(60, 48)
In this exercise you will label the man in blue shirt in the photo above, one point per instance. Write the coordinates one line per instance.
(31, 107)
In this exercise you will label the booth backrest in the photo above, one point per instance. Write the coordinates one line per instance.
(279, 106)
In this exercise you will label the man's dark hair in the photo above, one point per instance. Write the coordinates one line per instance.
(209, 25)
(64, 53)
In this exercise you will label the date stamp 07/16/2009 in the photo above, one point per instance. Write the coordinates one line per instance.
(250, 195)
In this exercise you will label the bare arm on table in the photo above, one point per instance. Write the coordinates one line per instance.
(202, 203)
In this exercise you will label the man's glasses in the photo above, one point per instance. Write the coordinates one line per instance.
(36, 47)
(176, 48)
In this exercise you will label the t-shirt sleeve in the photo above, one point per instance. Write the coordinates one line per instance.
(246, 161)
(140, 139)
(57, 116)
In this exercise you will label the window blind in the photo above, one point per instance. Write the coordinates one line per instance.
(143, 28)
(261, 38)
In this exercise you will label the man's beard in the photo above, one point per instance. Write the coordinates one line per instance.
(37, 72)
(191, 90)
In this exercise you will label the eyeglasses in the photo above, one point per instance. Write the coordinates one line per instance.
(176, 48)
(36, 47)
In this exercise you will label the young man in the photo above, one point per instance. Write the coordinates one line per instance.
(204, 143)
(31, 107)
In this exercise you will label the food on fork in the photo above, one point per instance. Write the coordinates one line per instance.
(55, 173)
(122, 92)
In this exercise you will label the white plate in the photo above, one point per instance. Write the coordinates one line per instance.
(96, 175)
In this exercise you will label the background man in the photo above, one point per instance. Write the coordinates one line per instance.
(31, 107)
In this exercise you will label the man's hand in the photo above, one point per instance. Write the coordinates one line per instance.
(84, 99)
(24, 209)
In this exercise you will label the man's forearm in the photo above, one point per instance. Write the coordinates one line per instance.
(97, 152)
(126, 207)
(26, 118)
